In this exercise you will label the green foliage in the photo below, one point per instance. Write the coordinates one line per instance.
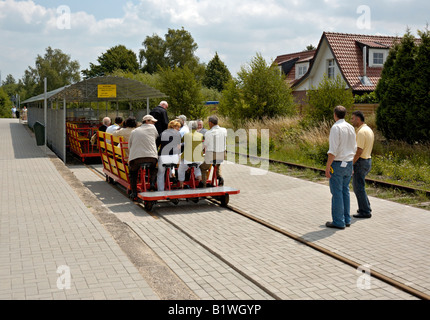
(260, 91)
(118, 57)
(57, 67)
(315, 152)
(177, 49)
(366, 98)
(403, 91)
(329, 94)
(184, 92)
(5, 104)
(216, 74)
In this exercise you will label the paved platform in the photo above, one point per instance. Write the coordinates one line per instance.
(48, 220)
(51, 245)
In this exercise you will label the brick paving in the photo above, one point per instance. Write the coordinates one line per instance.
(44, 226)
(215, 252)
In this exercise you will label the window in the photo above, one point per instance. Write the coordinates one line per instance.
(378, 58)
(330, 68)
(301, 69)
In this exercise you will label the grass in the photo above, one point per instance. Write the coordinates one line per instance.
(395, 162)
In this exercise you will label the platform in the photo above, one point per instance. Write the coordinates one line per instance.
(49, 218)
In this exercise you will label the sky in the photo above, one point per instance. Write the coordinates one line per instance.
(236, 29)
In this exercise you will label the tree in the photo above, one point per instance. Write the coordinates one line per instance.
(118, 57)
(329, 94)
(184, 92)
(176, 50)
(260, 91)
(5, 104)
(216, 74)
(404, 110)
(153, 56)
(57, 67)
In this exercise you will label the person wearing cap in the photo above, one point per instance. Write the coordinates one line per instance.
(143, 149)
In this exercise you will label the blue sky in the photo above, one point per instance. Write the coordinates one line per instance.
(236, 29)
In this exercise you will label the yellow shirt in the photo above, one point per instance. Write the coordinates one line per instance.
(365, 139)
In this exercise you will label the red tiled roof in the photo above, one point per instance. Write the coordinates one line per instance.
(349, 56)
(302, 56)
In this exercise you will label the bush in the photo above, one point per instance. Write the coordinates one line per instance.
(260, 91)
(404, 110)
(366, 98)
(329, 94)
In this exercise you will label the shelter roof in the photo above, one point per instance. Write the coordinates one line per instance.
(87, 91)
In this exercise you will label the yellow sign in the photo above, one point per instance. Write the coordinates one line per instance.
(106, 90)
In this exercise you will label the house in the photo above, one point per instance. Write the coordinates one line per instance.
(359, 60)
(295, 65)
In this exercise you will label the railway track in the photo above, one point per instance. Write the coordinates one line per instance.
(377, 275)
(377, 183)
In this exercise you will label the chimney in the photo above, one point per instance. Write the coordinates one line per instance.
(365, 61)
(364, 79)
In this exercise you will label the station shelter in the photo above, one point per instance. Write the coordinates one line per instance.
(70, 115)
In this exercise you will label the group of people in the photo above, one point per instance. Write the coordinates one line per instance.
(16, 113)
(349, 156)
(158, 142)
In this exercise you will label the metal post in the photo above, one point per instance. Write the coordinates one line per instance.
(45, 109)
(64, 130)
(147, 105)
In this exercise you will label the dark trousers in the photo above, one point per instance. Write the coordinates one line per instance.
(134, 167)
(361, 169)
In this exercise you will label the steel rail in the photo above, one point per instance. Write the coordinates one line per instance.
(378, 275)
(381, 183)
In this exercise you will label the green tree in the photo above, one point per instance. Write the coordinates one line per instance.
(260, 91)
(216, 74)
(57, 67)
(404, 110)
(118, 57)
(329, 94)
(177, 49)
(184, 92)
(153, 56)
(420, 113)
(5, 104)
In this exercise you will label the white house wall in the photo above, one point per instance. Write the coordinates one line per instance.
(319, 68)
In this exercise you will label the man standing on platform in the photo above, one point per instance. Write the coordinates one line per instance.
(362, 163)
(342, 148)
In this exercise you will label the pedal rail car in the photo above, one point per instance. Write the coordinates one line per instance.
(78, 139)
(114, 155)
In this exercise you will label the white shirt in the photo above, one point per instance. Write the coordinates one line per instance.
(112, 128)
(342, 141)
(215, 139)
(185, 129)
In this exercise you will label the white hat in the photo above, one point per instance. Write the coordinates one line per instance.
(149, 117)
